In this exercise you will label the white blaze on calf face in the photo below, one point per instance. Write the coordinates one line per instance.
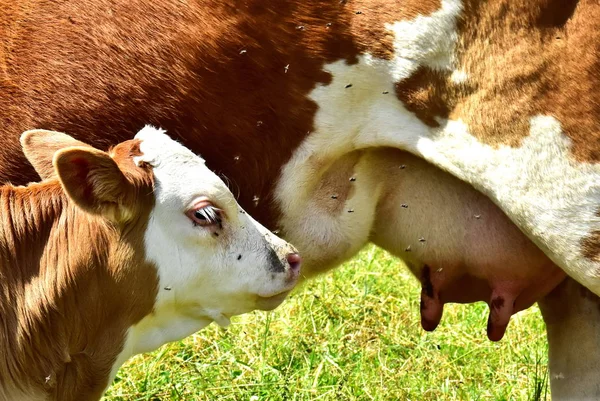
(213, 259)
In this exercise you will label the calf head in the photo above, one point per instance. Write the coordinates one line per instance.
(174, 220)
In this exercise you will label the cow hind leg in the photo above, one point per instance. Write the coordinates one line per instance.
(572, 316)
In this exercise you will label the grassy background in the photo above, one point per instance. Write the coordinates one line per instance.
(350, 335)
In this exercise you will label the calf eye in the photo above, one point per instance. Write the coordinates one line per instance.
(205, 214)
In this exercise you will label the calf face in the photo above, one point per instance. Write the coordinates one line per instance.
(214, 260)
(211, 256)
(141, 245)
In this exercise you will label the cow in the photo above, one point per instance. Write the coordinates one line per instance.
(288, 99)
(117, 253)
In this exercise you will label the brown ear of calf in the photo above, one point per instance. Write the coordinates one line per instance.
(93, 180)
(40, 146)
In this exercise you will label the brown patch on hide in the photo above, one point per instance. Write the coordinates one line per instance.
(227, 79)
(590, 246)
(368, 19)
(522, 58)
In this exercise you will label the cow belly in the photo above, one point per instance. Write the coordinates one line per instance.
(329, 214)
(459, 243)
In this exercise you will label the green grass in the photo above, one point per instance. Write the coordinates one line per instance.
(353, 334)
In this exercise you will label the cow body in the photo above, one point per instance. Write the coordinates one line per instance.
(286, 100)
(325, 80)
(88, 281)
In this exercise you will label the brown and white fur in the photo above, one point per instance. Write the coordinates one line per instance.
(278, 95)
(117, 253)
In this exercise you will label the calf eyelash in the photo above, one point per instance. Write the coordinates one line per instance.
(207, 215)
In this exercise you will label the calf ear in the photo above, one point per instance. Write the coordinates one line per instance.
(39, 146)
(92, 179)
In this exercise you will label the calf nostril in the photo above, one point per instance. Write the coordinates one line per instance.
(294, 260)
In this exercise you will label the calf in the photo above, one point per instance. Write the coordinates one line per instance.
(117, 253)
